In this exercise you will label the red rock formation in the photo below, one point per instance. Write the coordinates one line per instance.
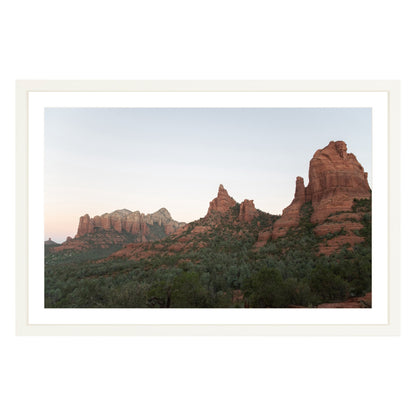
(197, 234)
(290, 216)
(247, 211)
(263, 238)
(200, 229)
(336, 178)
(336, 243)
(222, 203)
(86, 225)
(105, 222)
(119, 227)
(337, 223)
(355, 302)
(131, 222)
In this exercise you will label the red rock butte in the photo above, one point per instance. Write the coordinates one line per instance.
(336, 178)
(120, 227)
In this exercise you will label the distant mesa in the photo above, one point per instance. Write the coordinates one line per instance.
(50, 242)
(134, 223)
(120, 227)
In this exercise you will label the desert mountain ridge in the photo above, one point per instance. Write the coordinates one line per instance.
(120, 227)
(336, 180)
(316, 254)
(135, 223)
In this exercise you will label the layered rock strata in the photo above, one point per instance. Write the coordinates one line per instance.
(336, 179)
(121, 227)
(134, 223)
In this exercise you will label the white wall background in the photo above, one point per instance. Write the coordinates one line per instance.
(206, 40)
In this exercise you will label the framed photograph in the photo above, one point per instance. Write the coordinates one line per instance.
(207, 208)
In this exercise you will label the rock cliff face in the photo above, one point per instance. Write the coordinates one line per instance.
(290, 216)
(247, 211)
(336, 178)
(120, 227)
(134, 223)
(222, 203)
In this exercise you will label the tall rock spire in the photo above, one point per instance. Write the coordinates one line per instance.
(222, 203)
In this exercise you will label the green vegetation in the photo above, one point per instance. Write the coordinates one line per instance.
(219, 270)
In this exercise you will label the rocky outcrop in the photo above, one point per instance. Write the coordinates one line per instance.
(120, 227)
(124, 220)
(85, 225)
(247, 211)
(221, 219)
(354, 302)
(291, 214)
(263, 238)
(222, 203)
(336, 178)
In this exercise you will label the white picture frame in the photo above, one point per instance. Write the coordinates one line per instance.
(26, 214)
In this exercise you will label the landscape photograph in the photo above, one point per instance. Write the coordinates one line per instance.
(208, 208)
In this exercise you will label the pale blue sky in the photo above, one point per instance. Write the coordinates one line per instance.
(99, 160)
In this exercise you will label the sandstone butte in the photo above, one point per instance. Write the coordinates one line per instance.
(134, 223)
(336, 178)
(120, 227)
